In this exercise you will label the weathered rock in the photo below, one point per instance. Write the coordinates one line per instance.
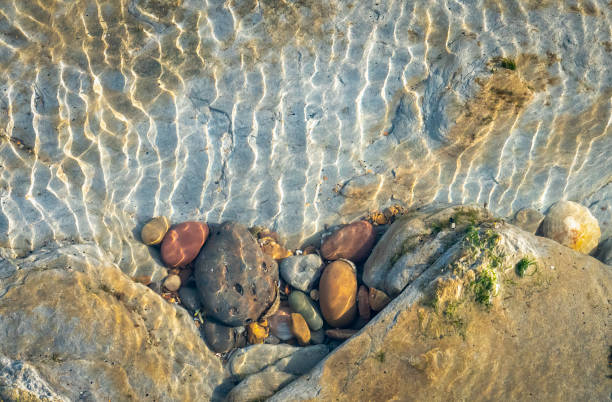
(252, 359)
(257, 332)
(340, 334)
(155, 230)
(572, 225)
(604, 252)
(300, 303)
(172, 282)
(270, 247)
(301, 271)
(183, 242)
(264, 383)
(352, 242)
(220, 338)
(280, 324)
(236, 281)
(528, 219)
(189, 298)
(363, 303)
(317, 337)
(338, 293)
(377, 299)
(299, 329)
(465, 351)
(90, 330)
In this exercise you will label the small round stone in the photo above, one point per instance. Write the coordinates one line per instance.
(572, 225)
(257, 332)
(220, 338)
(280, 324)
(352, 242)
(299, 329)
(172, 282)
(155, 230)
(338, 293)
(314, 294)
(301, 271)
(300, 303)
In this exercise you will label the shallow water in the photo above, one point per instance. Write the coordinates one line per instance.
(293, 115)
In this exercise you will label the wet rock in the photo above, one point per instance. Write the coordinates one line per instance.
(340, 334)
(257, 332)
(572, 225)
(155, 230)
(314, 294)
(301, 271)
(272, 340)
(236, 281)
(352, 242)
(280, 324)
(220, 338)
(363, 303)
(254, 358)
(172, 283)
(317, 337)
(377, 299)
(189, 298)
(183, 242)
(604, 252)
(338, 293)
(299, 329)
(266, 382)
(300, 303)
(528, 219)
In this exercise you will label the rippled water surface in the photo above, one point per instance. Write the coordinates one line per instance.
(293, 114)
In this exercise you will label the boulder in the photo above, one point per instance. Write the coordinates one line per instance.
(338, 293)
(183, 242)
(572, 225)
(301, 271)
(352, 242)
(236, 281)
(455, 344)
(73, 319)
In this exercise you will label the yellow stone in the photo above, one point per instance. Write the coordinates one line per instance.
(300, 329)
(155, 230)
(257, 332)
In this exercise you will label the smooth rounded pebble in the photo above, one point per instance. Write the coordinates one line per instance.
(183, 242)
(572, 225)
(301, 271)
(218, 337)
(280, 324)
(154, 231)
(338, 293)
(300, 303)
(377, 299)
(352, 242)
(299, 329)
(172, 282)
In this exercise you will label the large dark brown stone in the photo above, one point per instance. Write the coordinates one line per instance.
(352, 242)
(236, 280)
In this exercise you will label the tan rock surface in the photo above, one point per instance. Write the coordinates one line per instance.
(89, 330)
(544, 337)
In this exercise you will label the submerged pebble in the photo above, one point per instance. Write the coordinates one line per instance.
(300, 303)
(301, 271)
(352, 242)
(172, 282)
(299, 329)
(220, 338)
(183, 242)
(280, 324)
(154, 231)
(338, 293)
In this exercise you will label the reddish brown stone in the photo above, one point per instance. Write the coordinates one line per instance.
(363, 304)
(352, 242)
(280, 324)
(183, 242)
(340, 334)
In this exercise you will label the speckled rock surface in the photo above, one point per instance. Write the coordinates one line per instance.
(464, 351)
(301, 271)
(91, 331)
(236, 281)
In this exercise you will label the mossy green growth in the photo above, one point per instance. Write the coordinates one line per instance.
(484, 286)
(380, 356)
(507, 64)
(522, 265)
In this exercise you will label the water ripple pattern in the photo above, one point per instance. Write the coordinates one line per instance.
(293, 114)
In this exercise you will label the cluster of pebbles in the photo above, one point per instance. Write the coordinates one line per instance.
(243, 287)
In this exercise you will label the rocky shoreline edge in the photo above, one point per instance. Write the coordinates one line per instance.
(271, 314)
